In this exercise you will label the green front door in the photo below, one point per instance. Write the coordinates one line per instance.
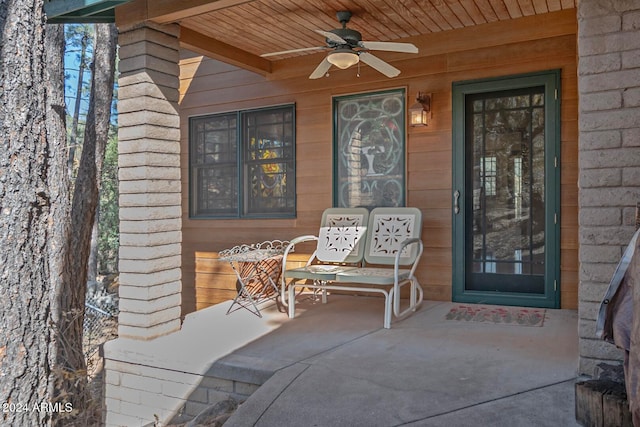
(506, 188)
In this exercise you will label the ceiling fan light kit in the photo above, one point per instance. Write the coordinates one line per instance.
(343, 58)
(348, 49)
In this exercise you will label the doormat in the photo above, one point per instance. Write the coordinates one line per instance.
(498, 314)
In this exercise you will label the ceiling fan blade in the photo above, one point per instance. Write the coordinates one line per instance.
(321, 69)
(377, 63)
(331, 36)
(390, 46)
(284, 52)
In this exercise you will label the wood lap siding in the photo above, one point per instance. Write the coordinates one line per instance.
(503, 48)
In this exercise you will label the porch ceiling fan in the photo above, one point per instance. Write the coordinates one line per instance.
(347, 48)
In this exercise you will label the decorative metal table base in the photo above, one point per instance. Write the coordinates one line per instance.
(255, 266)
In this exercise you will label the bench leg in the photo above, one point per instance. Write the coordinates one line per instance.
(291, 300)
(283, 293)
(388, 300)
(413, 296)
(416, 288)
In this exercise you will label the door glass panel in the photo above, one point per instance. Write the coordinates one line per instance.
(505, 157)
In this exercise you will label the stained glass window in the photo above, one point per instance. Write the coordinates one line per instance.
(268, 143)
(369, 147)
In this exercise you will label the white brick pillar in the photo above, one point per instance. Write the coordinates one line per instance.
(149, 173)
(609, 155)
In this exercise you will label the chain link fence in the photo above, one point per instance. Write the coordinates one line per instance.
(100, 322)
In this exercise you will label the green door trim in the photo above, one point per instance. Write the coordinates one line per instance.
(551, 82)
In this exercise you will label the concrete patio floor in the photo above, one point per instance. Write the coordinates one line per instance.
(334, 365)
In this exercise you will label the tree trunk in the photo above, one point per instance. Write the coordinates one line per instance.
(92, 264)
(83, 211)
(59, 185)
(31, 229)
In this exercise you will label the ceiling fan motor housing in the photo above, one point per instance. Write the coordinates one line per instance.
(352, 37)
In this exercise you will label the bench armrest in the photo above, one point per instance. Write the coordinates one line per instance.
(411, 241)
(291, 246)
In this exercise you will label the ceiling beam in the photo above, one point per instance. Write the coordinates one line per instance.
(165, 11)
(131, 13)
(199, 43)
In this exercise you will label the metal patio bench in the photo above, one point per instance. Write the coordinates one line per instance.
(339, 247)
(390, 249)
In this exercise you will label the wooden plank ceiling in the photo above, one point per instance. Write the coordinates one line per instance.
(239, 31)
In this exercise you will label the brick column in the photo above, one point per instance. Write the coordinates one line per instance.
(609, 155)
(149, 162)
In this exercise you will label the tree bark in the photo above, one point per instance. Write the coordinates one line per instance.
(83, 211)
(30, 226)
(92, 263)
(59, 185)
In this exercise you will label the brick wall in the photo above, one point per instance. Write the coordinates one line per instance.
(149, 174)
(137, 394)
(176, 376)
(609, 155)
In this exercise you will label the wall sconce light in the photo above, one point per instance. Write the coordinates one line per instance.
(420, 112)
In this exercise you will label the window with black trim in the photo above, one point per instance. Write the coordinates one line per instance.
(242, 164)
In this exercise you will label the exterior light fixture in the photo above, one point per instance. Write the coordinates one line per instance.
(343, 58)
(420, 112)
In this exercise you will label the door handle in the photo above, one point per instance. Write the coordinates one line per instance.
(456, 202)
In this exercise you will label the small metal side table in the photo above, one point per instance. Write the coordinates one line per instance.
(257, 266)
